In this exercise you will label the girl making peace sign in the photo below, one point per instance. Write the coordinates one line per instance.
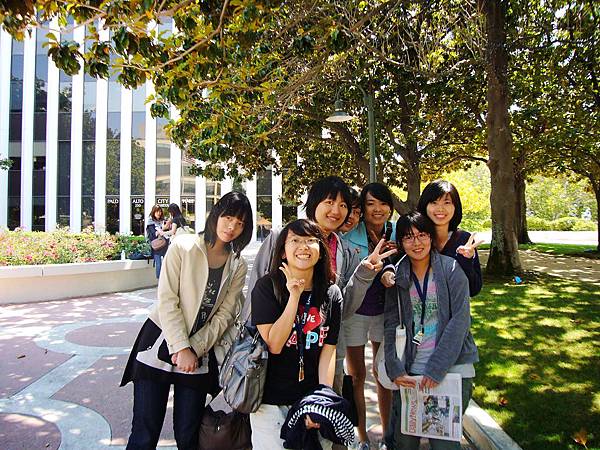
(297, 310)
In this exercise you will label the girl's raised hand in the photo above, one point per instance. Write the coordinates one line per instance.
(468, 250)
(295, 286)
(375, 260)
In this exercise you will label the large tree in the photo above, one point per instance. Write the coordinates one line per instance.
(504, 252)
(250, 77)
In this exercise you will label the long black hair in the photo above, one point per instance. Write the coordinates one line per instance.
(323, 275)
(437, 189)
(233, 204)
(176, 215)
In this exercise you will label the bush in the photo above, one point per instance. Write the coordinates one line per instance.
(537, 224)
(135, 247)
(475, 224)
(58, 247)
(562, 224)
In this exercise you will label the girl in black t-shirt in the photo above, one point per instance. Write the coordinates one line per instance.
(297, 310)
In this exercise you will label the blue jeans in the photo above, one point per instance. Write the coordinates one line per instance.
(149, 408)
(157, 264)
(395, 440)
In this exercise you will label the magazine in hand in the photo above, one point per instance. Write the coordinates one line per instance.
(433, 413)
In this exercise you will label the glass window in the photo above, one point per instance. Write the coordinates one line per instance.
(138, 125)
(39, 175)
(89, 125)
(139, 98)
(114, 97)
(39, 214)
(137, 216)
(188, 181)
(89, 96)
(163, 174)
(114, 125)
(39, 126)
(112, 214)
(137, 167)
(188, 209)
(263, 182)
(64, 126)
(113, 165)
(14, 127)
(64, 97)
(62, 211)
(87, 169)
(87, 211)
(64, 169)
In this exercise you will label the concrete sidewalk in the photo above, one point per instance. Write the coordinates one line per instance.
(62, 363)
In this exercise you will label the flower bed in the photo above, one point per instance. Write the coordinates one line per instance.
(60, 247)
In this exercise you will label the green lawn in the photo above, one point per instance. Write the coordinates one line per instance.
(539, 374)
(587, 251)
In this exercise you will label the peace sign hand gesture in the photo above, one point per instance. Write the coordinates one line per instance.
(295, 286)
(374, 261)
(468, 250)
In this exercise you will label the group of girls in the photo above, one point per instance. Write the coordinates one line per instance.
(317, 293)
(158, 226)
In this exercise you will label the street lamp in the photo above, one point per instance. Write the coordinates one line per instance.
(339, 115)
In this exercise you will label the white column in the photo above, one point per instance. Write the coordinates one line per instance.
(226, 185)
(200, 203)
(125, 163)
(52, 141)
(100, 157)
(149, 156)
(276, 191)
(175, 172)
(76, 140)
(27, 129)
(6, 46)
(251, 193)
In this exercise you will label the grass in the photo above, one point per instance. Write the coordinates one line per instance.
(539, 374)
(586, 251)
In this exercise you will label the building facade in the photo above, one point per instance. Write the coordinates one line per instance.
(86, 152)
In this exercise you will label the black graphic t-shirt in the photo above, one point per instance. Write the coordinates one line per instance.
(322, 326)
(210, 297)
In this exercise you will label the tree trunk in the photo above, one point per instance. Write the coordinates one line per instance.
(413, 177)
(597, 194)
(504, 252)
(521, 205)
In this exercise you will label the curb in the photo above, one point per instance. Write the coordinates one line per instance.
(483, 431)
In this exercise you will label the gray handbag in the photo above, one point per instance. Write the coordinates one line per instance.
(244, 371)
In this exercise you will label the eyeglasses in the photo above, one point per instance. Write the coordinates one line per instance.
(412, 239)
(296, 242)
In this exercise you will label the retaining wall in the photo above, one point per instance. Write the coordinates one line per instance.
(24, 284)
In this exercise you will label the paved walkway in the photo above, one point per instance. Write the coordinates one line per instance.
(571, 267)
(61, 365)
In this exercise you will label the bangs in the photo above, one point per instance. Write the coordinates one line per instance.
(236, 209)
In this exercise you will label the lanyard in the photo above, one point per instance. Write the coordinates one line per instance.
(299, 326)
(423, 296)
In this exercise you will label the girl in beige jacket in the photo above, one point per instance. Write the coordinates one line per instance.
(199, 295)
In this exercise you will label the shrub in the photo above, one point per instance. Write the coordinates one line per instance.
(133, 246)
(58, 247)
(537, 224)
(475, 224)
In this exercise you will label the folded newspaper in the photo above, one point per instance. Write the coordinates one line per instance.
(433, 413)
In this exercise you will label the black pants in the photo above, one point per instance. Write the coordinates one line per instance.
(149, 408)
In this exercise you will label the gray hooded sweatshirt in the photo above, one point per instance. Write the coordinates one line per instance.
(454, 343)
